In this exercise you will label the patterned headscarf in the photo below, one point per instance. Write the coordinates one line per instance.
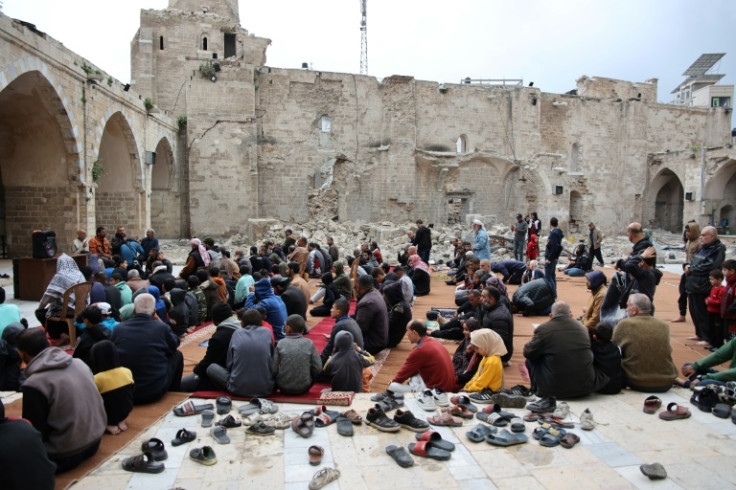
(202, 251)
(417, 263)
(67, 275)
(497, 283)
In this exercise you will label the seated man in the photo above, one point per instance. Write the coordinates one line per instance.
(148, 347)
(646, 354)
(8, 313)
(495, 316)
(61, 400)
(248, 366)
(292, 296)
(512, 270)
(701, 372)
(23, 459)
(227, 325)
(372, 316)
(428, 365)
(452, 328)
(339, 312)
(559, 358)
(295, 363)
(275, 307)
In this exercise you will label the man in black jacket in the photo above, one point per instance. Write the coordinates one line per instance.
(497, 317)
(709, 256)
(292, 296)
(422, 239)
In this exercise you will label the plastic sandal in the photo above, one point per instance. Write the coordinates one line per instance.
(652, 404)
(303, 425)
(354, 416)
(189, 408)
(156, 448)
(224, 404)
(323, 477)
(459, 411)
(495, 419)
(426, 450)
(479, 432)
(344, 426)
(208, 418)
(219, 434)
(183, 436)
(315, 455)
(400, 455)
(204, 455)
(143, 463)
(435, 438)
(517, 425)
(675, 412)
(445, 420)
(464, 400)
(229, 422)
(261, 429)
(506, 438)
(569, 440)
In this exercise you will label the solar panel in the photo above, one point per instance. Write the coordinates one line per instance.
(703, 64)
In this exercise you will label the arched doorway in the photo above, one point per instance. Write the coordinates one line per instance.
(576, 211)
(721, 191)
(165, 200)
(37, 156)
(117, 202)
(668, 202)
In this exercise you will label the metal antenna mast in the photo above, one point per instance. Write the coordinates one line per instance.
(363, 39)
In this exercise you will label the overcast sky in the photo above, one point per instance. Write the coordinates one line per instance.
(549, 42)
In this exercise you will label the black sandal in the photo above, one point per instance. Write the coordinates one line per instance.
(143, 463)
(156, 448)
(183, 436)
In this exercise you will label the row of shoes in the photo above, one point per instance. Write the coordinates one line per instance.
(718, 400)
(153, 452)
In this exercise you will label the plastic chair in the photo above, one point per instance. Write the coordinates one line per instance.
(81, 293)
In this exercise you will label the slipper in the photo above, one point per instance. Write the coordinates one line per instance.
(204, 455)
(532, 417)
(652, 404)
(479, 433)
(464, 400)
(426, 450)
(208, 418)
(506, 438)
(459, 411)
(248, 409)
(260, 429)
(445, 420)
(189, 408)
(224, 404)
(220, 435)
(550, 439)
(722, 410)
(344, 426)
(435, 438)
(556, 422)
(517, 425)
(353, 416)
(183, 436)
(156, 448)
(569, 440)
(303, 425)
(540, 431)
(325, 417)
(400, 455)
(278, 421)
(229, 422)
(251, 419)
(323, 477)
(490, 408)
(654, 471)
(675, 412)
(495, 419)
(315, 455)
(143, 463)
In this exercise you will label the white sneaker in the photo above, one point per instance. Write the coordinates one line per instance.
(425, 400)
(562, 410)
(440, 398)
(586, 420)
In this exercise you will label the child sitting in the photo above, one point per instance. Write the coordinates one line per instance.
(94, 331)
(607, 358)
(490, 346)
(115, 384)
(713, 305)
(532, 272)
(296, 362)
(347, 363)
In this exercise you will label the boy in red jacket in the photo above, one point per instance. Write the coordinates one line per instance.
(532, 248)
(713, 305)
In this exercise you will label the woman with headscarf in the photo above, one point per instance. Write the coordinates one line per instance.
(490, 346)
(198, 259)
(465, 360)
(481, 246)
(327, 293)
(399, 313)
(346, 364)
(596, 283)
(420, 276)
(115, 384)
(67, 275)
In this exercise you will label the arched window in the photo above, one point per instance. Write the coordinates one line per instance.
(325, 124)
(204, 43)
(461, 144)
(161, 43)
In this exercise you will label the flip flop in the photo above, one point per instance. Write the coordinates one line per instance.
(654, 471)
(495, 419)
(506, 438)
(652, 404)
(569, 440)
(353, 416)
(189, 408)
(220, 435)
(323, 477)
(675, 412)
(435, 438)
(464, 400)
(479, 432)
(722, 410)
(208, 418)
(229, 422)
(445, 420)
(248, 409)
(326, 417)
(426, 450)
(542, 430)
(143, 463)
(459, 411)
(344, 426)
(204, 455)
(315, 455)
(303, 425)
(183, 436)
(400, 455)
(279, 421)
(224, 404)
(550, 439)
(156, 448)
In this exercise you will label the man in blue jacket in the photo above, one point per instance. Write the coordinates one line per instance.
(275, 307)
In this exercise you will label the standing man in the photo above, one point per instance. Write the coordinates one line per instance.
(552, 254)
(333, 251)
(481, 248)
(596, 239)
(638, 237)
(709, 256)
(422, 239)
(519, 228)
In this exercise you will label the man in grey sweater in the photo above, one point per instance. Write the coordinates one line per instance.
(295, 363)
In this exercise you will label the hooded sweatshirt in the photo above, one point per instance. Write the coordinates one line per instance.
(179, 313)
(341, 281)
(61, 400)
(275, 307)
(592, 315)
(346, 365)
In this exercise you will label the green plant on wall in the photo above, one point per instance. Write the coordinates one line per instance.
(182, 122)
(97, 171)
(109, 81)
(86, 68)
(148, 103)
(207, 70)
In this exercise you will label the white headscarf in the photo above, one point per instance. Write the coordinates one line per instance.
(202, 251)
(479, 223)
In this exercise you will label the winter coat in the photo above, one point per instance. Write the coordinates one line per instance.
(533, 296)
(275, 307)
(707, 258)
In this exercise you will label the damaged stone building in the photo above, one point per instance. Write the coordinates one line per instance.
(246, 140)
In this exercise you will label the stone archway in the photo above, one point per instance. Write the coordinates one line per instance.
(117, 200)
(38, 159)
(721, 191)
(667, 207)
(165, 195)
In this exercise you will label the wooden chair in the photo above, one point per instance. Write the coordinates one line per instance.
(81, 293)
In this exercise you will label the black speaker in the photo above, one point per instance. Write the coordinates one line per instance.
(44, 244)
